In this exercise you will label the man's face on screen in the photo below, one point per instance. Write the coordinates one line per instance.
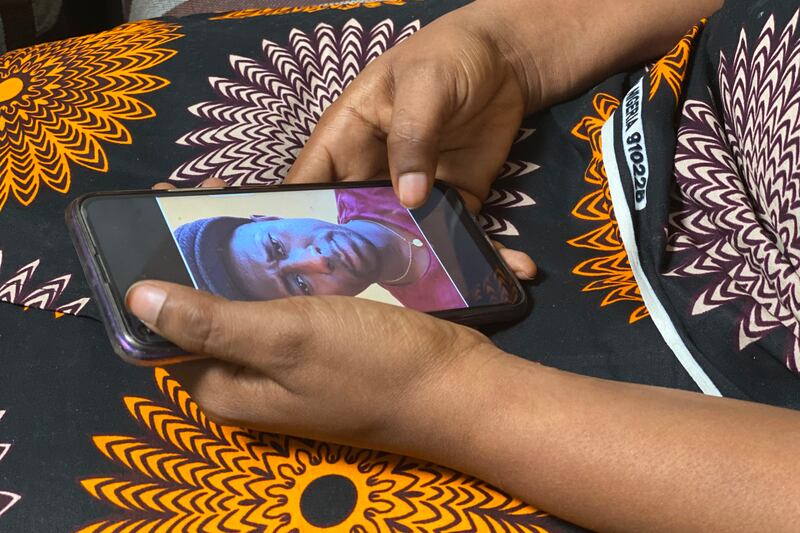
(278, 258)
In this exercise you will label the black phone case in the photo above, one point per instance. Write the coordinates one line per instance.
(133, 349)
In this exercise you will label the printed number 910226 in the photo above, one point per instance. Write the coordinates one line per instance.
(636, 151)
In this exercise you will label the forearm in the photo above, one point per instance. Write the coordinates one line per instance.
(614, 456)
(560, 47)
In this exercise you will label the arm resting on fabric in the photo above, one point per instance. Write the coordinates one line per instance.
(617, 456)
(561, 47)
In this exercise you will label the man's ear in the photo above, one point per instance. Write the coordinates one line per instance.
(263, 218)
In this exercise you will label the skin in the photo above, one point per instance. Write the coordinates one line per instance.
(605, 455)
(279, 258)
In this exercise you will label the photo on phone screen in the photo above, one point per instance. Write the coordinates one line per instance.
(350, 242)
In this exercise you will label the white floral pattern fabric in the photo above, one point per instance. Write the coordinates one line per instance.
(268, 108)
(737, 173)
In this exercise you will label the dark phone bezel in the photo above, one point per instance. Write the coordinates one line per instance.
(131, 347)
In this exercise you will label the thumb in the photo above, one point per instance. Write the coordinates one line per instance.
(203, 324)
(420, 107)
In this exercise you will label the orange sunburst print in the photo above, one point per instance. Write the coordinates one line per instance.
(269, 11)
(609, 267)
(60, 101)
(671, 69)
(190, 474)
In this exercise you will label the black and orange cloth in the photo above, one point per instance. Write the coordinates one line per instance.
(704, 177)
(677, 275)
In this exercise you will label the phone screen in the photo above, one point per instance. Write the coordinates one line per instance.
(266, 244)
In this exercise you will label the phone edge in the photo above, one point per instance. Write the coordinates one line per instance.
(132, 352)
(123, 345)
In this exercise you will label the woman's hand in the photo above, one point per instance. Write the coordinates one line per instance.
(335, 368)
(446, 103)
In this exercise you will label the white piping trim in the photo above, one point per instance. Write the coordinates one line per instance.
(654, 306)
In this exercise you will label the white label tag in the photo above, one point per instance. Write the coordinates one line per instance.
(634, 143)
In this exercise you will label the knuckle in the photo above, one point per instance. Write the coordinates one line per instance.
(218, 398)
(424, 70)
(407, 132)
(219, 408)
(377, 78)
(410, 131)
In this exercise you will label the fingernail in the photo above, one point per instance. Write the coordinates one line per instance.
(145, 301)
(413, 188)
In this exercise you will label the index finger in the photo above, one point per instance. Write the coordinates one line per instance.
(349, 141)
(343, 147)
(314, 164)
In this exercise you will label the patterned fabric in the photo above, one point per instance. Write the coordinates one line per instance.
(144, 9)
(673, 67)
(610, 268)
(254, 131)
(737, 220)
(236, 95)
(714, 229)
(139, 90)
(268, 108)
(343, 6)
(19, 290)
(198, 474)
(60, 101)
(7, 499)
(494, 217)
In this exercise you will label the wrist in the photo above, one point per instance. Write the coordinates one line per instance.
(447, 414)
(558, 48)
(493, 21)
(537, 40)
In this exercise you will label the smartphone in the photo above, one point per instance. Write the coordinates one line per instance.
(263, 243)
